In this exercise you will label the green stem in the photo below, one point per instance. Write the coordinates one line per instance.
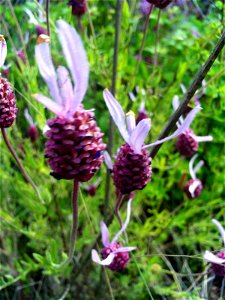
(47, 16)
(119, 5)
(20, 165)
(74, 203)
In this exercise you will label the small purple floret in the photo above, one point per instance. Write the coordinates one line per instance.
(186, 143)
(120, 260)
(79, 7)
(33, 133)
(219, 270)
(131, 171)
(142, 114)
(198, 190)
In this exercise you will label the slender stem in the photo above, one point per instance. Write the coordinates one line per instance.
(157, 38)
(117, 208)
(47, 16)
(74, 203)
(196, 83)
(119, 5)
(19, 164)
(142, 42)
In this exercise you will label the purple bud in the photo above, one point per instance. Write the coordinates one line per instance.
(7, 104)
(33, 133)
(120, 260)
(186, 143)
(142, 114)
(91, 190)
(193, 188)
(21, 56)
(5, 72)
(41, 30)
(160, 3)
(219, 270)
(131, 171)
(79, 7)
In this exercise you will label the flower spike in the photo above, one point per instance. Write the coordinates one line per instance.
(114, 255)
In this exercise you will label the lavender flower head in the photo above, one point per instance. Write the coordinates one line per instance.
(188, 142)
(217, 261)
(7, 99)
(132, 170)
(79, 7)
(194, 186)
(74, 147)
(114, 255)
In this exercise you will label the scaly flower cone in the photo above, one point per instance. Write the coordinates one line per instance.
(187, 142)
(8, 113)
(132, 167)
(74, 147)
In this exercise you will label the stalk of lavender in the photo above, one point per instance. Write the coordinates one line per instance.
(119, 5)
(74, 204)
(8, 113)
(47, 16)
(196, 83)
(74, 146)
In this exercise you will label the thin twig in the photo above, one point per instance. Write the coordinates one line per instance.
(119, 5)
(20, 165)
(47, 16)
(196, 83)
(74, 204)
(142, 42)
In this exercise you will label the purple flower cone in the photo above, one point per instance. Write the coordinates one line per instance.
(131, 171)
(120, 260)
(160, 3)
(186, 144)
(74, 147)
(79, 7)
(198, 190)
(7, 104)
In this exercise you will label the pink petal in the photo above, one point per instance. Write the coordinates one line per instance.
(139, 134)
(3, 50)
(191, 169)
(105, 234)
(28, 117)
(107, 160)
(65, 88)
(95, 257)
(199, 139)
(76, 59)
(193, 187)
(198, 166)
(116, 112)
(186, 124)
(212, 258)
(221, 229)
(124, 249)
(124, 226)
(46, 68)
(48, 103)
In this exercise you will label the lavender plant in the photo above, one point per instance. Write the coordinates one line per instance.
(74, 147)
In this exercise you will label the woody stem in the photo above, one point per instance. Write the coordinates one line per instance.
(190, 93)
(19, 164)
